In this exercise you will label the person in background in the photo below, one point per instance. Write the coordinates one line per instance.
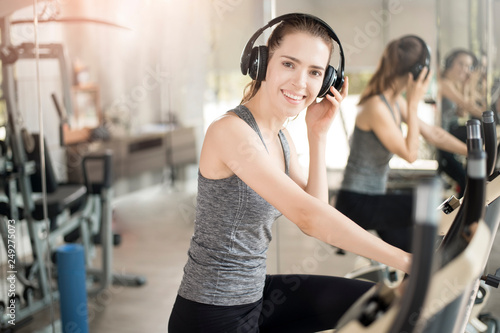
(458, 104)
(390, 98)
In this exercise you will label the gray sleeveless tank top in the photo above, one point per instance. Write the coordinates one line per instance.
(449, 114)
(227, 255)
(367, 167)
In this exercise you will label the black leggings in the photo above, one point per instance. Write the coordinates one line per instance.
(448, 162)
(390, 215)
(290, 303)
(450, 165)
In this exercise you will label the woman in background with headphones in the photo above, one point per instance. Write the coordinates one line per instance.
(457, 105)
(377, 136)
(249, 175)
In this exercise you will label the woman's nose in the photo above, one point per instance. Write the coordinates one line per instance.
(300, 79)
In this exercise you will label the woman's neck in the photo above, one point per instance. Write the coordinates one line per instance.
(392, 95)
(264, 115)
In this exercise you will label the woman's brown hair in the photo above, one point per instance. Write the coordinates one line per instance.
(398, 57)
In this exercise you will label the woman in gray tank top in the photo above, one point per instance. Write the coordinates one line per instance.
(377, 137)
(249, 175)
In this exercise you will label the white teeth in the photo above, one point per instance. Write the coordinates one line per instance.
(295, 97)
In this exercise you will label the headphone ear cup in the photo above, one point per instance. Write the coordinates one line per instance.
(264, 56)
(328, 81)
(253, 63)
(258, 63)
(415, 70)
(339, 82)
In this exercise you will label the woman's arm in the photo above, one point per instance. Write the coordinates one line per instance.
(376, 116)
(317, 182)
(443, 140)
(319, 118)
(244, 155)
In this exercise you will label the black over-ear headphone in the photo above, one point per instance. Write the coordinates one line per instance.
(254, 59)
(425, 58)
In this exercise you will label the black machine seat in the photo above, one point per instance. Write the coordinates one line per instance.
(5, 211)
(66, 196)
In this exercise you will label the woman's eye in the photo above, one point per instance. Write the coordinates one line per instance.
(316, 73)
(288, 64)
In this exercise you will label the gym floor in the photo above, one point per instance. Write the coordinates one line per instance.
(156, 224)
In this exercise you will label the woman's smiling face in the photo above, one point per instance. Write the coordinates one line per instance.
(295, 72)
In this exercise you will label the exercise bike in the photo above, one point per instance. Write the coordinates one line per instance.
(456, 269)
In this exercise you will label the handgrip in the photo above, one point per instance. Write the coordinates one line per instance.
(490, 141)
(474, 140)
(425, 218)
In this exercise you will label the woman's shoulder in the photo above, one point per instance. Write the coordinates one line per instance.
(374, 112)
(373, 101)
(368, 112)
(372, 105)
(227, 119)
(217, 147)
(225, 125)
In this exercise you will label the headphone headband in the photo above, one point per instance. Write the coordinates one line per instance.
(337, 77)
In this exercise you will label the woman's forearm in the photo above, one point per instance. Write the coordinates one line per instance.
(448, 142)
(330, 226)
(317, 183)
(412, 142)
(443, 140)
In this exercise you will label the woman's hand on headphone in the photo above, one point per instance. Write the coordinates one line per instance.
(415, 89)
(319, 116)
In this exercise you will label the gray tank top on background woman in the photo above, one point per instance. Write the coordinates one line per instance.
(449, 116)
(227, 256)
(367, 167)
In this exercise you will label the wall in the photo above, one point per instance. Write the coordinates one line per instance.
(363, 26)
(152, 69)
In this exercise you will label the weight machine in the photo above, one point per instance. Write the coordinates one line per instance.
(50, 211)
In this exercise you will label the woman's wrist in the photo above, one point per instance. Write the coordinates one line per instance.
(413, 105)
(317, 144)
(406, 262)
(317, 138)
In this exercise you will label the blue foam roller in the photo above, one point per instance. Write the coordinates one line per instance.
(72, 288)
